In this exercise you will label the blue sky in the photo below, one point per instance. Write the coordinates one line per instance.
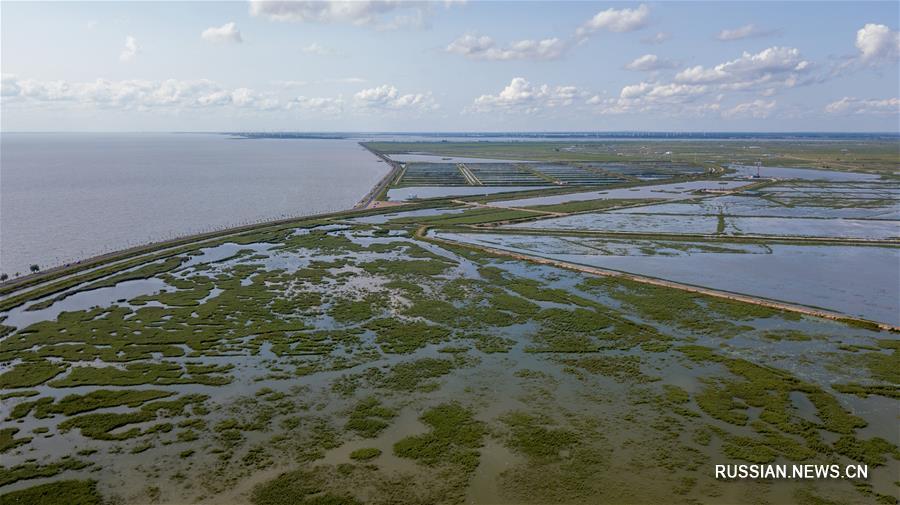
(460, 66)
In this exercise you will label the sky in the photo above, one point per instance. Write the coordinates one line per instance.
(449, 66)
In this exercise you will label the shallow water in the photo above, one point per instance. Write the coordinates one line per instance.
(72, 196)
(708, 225)
(803, 173)
(746, 205)
(858, 281)
(675, 191)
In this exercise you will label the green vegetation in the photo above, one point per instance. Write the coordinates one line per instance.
(369, 418)
(76, 404)
(365, 454)
(66, 492)
(8, 440)
(300, 487)
(36, 471)
(30, 374)
(594, 386)
(415, 375)
(454, 438)
(101, 426)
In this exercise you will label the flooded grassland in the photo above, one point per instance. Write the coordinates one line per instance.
(359, 363)
(423, 354)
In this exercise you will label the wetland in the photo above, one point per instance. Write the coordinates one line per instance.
(398, 355)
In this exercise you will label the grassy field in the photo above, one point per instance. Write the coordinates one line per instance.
(881, 157)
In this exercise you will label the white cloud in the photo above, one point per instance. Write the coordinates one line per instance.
(654, 97)
(616, 20)
(757, 109)
(130, 50)
(781, 66)
(878, 43)
(850, 105)
(521, 96)
(743, 32)
(388, 97)
(657, 38)
(484, 48)
(374, 13)
(317, 49)
(133, 94)
(649, 62)
(225, 33)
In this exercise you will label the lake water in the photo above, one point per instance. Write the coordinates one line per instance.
(72, 196)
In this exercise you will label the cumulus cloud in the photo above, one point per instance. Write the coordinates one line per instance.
(484, 48)
(131, 49)
(649, 62)
(133, 94)
(757, 109)
(775, 66)
(849, 105)
(744, 32)
(658, 98)
(386, 97)
(523, 97)
(225, 33)
(616, 20)
(657, 38)
(877, 43)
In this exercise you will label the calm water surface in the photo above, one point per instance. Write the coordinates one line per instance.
(70, 196)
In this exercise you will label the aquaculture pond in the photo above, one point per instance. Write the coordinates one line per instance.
(721, 224)
(802, 173)
(855, 280)
(350, 362)
(674, 191)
